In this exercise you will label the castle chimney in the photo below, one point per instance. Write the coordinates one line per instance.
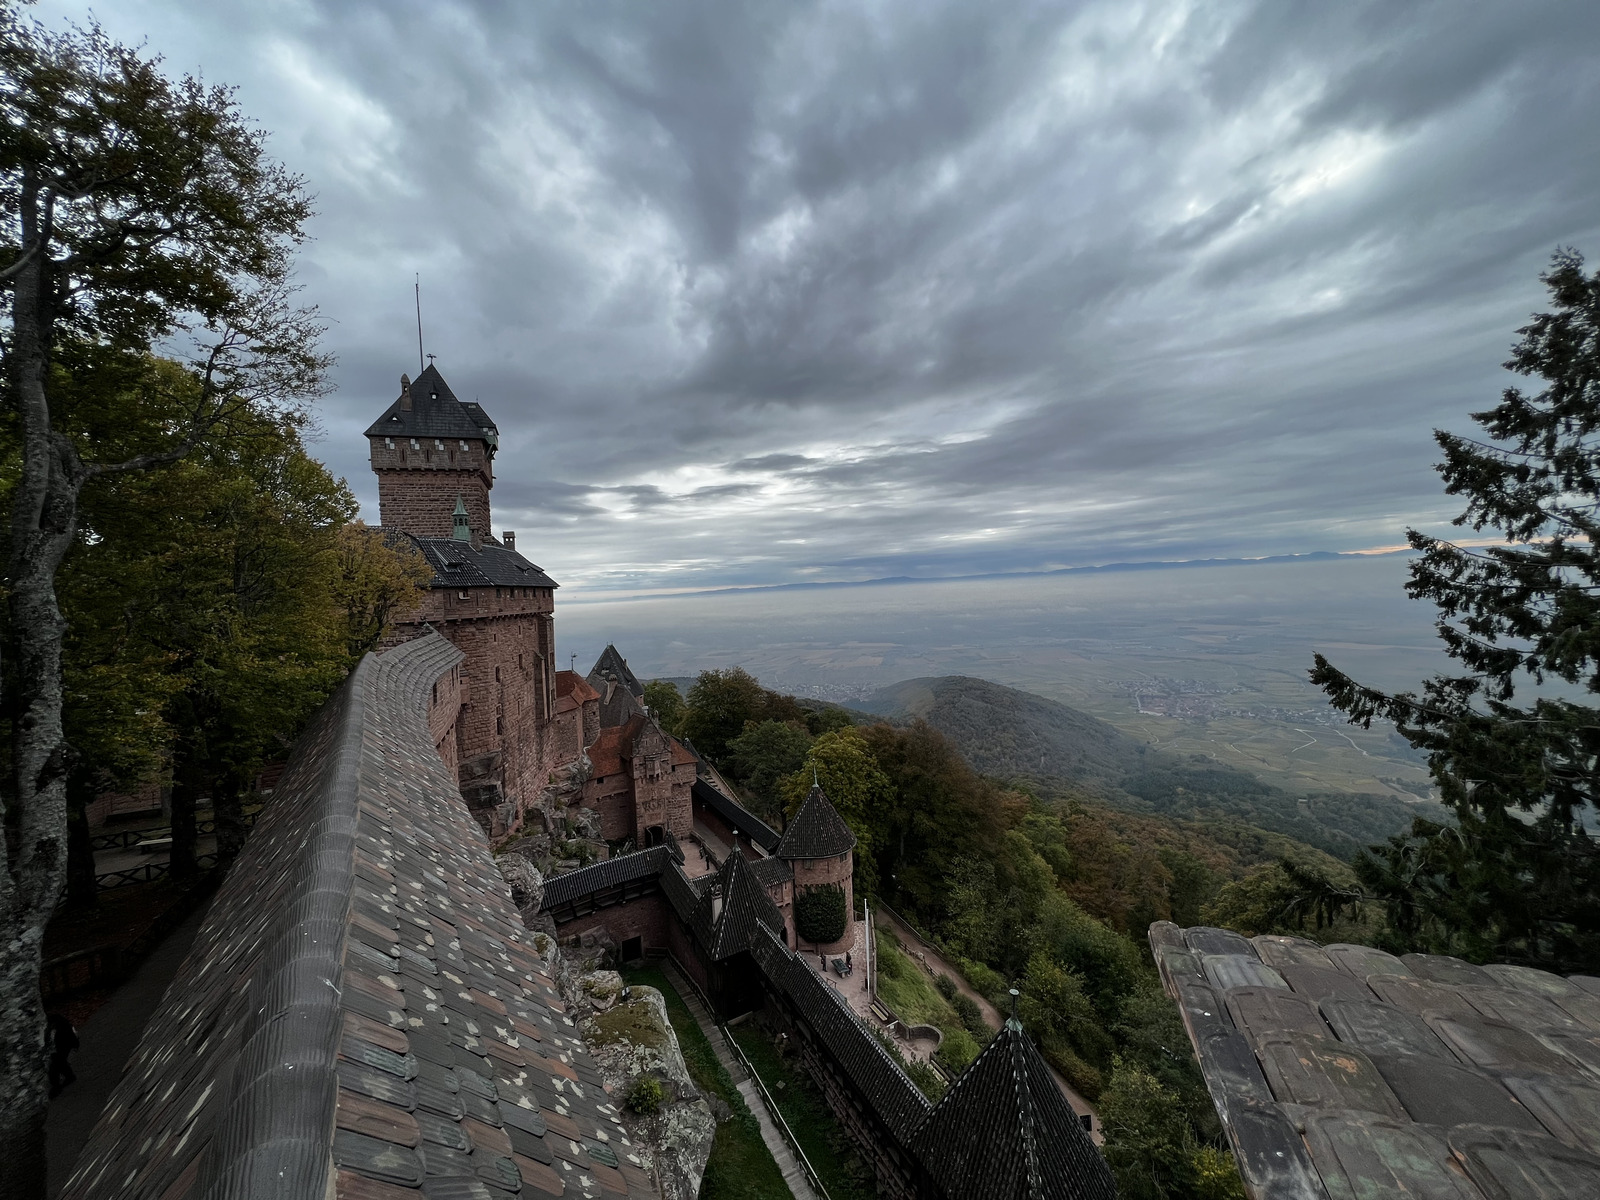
(509, 537)
(405, 393)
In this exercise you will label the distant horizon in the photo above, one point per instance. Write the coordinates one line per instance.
(605, 597)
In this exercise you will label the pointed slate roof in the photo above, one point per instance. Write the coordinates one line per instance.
(435, 412)
(1004, 1130)
(817, 831)
(612, 663)
(745, 908)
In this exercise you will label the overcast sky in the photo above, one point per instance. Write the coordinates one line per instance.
(760, 293)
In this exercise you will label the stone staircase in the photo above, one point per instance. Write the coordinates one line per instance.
(781, 1152)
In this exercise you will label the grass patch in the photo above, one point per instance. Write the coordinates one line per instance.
(810, 1120)
(740, 1166)
(910, 992)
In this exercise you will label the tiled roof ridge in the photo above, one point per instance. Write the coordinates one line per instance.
(905, 1112)
(1025, 1113)
(250, 1151)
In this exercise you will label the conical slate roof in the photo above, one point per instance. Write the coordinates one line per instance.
(436, 413)
(1005, 1131)
(745, 906)
(613, 664)
(817, 831)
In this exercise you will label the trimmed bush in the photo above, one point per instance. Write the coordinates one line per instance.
(947, 987)
(819, 914)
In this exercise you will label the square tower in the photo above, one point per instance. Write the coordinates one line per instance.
(429, 449)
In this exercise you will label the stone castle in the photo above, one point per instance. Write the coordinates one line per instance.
(370, 1009)
(530, 742)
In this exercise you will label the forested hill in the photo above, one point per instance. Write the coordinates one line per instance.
(1005, 732)
(1012, 734)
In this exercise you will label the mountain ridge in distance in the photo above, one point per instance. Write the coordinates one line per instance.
(1012, 734)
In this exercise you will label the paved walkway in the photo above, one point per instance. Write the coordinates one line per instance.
(108, 1039)
(781, 1152)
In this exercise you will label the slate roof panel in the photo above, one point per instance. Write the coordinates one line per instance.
(1509, 1164)
(816, 830)
(1380, 1028)
(1435, 1092)
(1324, 1073)
(1360, 1155)
(1205, 939)
(1239, 970)
(1568, 1109)
(1280, 952)
(1271, 1155)
(435, 413)
(460, 564)
(1393, 1098)
(736, 815)
(1004, 1130)
(1317, 983)
(1362, 961)
(1442, 968)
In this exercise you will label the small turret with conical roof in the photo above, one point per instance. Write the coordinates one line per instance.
(1005, 1131)
(819, 848)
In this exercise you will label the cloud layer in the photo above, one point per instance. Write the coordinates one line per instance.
(773, 292)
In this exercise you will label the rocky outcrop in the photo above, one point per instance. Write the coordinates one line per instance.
(631, 1040)
(564, 792)
(527, 883)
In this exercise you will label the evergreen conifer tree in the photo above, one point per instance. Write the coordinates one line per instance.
(1513, 738)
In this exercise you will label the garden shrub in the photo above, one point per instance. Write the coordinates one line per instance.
(819, 914)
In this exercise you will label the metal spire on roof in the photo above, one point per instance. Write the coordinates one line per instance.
(420, 366)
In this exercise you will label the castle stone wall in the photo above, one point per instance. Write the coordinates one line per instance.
(417, 488)
(820, 872)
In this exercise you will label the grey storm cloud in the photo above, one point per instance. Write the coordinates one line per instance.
(769, 292)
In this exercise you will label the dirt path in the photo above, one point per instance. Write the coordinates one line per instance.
(914, 942)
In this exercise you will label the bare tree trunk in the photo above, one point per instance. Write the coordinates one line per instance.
(187, 781)
(227, 803)
(83, 890)
(43, 516)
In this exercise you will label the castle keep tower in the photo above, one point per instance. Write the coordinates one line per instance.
(429, 450)
(434, 458)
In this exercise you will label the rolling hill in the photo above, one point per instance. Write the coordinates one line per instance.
(1011, 734)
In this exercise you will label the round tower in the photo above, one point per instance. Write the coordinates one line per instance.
(820, 851)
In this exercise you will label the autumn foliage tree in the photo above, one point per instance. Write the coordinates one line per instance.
(1513, 738)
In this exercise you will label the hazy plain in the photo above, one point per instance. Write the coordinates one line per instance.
(1203, 659)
